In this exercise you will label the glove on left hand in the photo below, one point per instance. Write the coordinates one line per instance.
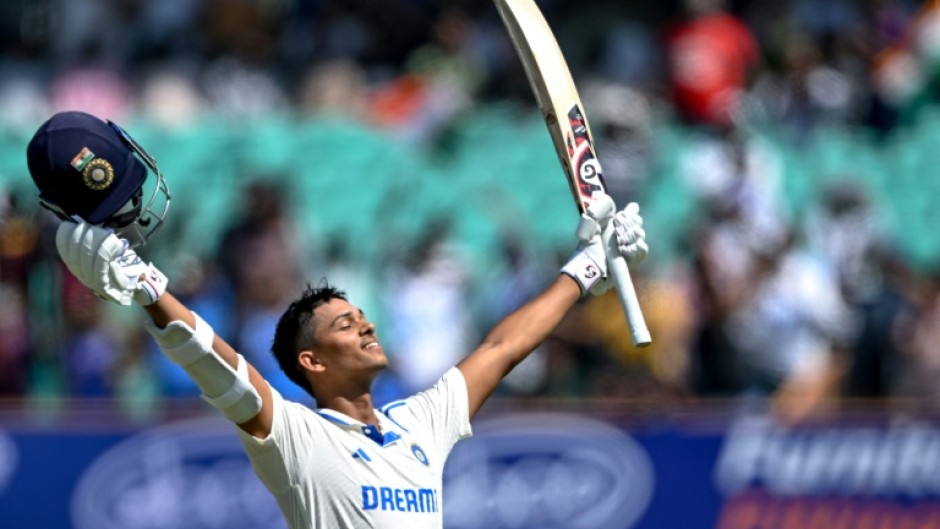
(588, 266)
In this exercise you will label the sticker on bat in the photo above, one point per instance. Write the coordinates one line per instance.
(581, 150)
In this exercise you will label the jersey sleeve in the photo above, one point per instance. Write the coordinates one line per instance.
(441, 413)
(274, 457)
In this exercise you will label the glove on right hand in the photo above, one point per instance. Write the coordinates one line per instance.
(631, 238)
(106, 264)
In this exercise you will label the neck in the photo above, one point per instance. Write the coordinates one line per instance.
(357, 407)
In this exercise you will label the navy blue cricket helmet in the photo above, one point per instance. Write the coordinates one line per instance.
(90, 168)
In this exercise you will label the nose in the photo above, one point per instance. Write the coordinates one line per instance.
(367, 328)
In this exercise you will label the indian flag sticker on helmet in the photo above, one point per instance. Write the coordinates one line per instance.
(98, 174)
(81, 159)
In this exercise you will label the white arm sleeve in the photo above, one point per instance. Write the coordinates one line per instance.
(226, 389)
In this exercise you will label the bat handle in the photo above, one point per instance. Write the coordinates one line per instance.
(620, 275)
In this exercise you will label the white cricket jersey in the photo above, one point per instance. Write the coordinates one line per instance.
(327, 470)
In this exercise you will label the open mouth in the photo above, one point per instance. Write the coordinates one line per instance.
(371, 345)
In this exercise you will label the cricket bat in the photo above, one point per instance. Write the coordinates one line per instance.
(561, 107)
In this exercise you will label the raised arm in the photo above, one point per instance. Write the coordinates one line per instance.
(106, 265)
(517, 335)
(513, 338)
(213, 379)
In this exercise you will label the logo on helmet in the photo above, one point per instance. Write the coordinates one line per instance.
(81, 159)
(98, 174)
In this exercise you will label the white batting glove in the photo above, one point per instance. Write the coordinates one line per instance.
(147, 281)
(105, 264)
(631, 238)
(588, 266)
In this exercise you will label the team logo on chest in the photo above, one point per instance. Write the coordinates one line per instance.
(419, 454)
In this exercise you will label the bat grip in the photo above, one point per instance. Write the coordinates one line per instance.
(620, 275)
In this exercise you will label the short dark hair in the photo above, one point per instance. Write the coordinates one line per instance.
(295, 334)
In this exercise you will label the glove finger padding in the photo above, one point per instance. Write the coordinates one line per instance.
(630, 213)
(631, 237)
(121, 287)
(88, 252)
(109, 251)
(143, 280)
(76, 243)
(127, 269)
(635, 253)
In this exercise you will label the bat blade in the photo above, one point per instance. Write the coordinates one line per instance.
(561, 107)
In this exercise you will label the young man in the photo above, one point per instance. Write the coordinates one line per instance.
(345, 464)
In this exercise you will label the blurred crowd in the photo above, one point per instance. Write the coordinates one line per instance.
(756, 302)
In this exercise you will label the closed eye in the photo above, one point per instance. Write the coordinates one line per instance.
(345, 320)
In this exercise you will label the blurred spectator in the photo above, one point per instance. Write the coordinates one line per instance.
(665, 366)
(93, 88)
(516, 278)
(441, 77)
(337, 89)
(711, 57)
(774, 320)
(905, 71)
(242, 90)
(19, 242)
(171, 99)
(631, 55)
(430, 326)
(917, 334)
(879, 367)
(102, 28)
(807, 93)
(91, 350)
(15, 347)
(23, 101)
(169, 28)
(261, 256)
(622, 121)
(241, 40)
(19, 251)
(259, 252)
(736, 172)
(845, 231)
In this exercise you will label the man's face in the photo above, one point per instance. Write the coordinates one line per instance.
(346, 340)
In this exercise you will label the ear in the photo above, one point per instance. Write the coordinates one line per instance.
(310, 361)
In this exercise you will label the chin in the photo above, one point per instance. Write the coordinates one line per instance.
(378, 362)
(381, 358)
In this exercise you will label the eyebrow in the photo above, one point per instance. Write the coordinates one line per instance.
(347, 314)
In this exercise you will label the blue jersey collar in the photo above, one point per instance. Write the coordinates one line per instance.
(369, 430)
